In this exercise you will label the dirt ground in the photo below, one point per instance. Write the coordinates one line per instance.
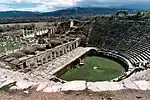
(80, 95)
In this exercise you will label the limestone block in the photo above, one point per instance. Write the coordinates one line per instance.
(41, 86)
(14, 88)
(128, 84)
(9, 81)
(74, 85)
(143, 85)
(55, 88)
(104, 86)
(3, 79)
(22, 84)
(52, 83)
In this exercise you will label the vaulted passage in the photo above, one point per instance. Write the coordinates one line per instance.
(95, 69)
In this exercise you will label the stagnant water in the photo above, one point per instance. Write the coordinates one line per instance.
(95, 69)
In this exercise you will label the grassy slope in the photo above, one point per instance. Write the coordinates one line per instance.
(9, 44)
(106, 70)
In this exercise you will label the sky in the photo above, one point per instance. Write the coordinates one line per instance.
(52, 5)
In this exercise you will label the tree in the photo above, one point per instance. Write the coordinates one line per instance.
(138, 13)
(117, 13)
(124, 12)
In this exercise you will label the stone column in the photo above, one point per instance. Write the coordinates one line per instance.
(28, 64)
(71, 23)
(55, 54)
(58, 52)
(66, 49)
(52, 30)
(32, 62)
(55, 29)
(70, 47)
(34, 32)
(43, 31)
(73, 45)
(22, 67)
(49, 33)
(51, 57)
(77, 44)
(35, 62)
(63, 52)
(41, 60)
(46, 57)
(23, 33)
(39, 32)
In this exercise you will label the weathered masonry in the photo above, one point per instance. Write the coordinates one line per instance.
(37, 32)
(41, 58)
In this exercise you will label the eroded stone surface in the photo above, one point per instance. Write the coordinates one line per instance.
(14, 88)
(55, 88)
(74, 85)
(7, 82)
(143, 85)
(22, 84)
(41, 86)
(129, 84)
(104, 86)
(141, 75)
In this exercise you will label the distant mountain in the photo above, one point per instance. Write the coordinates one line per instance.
(65, 12)
(138, 6)
(18, 14)
(85, 11)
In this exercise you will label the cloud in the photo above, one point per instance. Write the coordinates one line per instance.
(4, 7)
(51, 5)
(37, 5)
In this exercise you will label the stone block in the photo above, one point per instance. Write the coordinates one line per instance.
(55, 88)
(41, 86)
(22, 84)
(143, 85)
(7, 82)
(14, 88)
(74, 85)
(104, 86)
(128, 84)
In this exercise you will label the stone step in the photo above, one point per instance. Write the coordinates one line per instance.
(104, 86)
(143, 85)
(128, 84)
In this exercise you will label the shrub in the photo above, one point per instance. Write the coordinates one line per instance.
(17, 54)
(55, 43)
(29, 50)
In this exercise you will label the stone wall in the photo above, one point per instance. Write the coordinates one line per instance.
(41, 59)
(37, 32)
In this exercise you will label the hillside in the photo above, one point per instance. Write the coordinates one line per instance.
(65, 12)
(18, 14)
(84, 11)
